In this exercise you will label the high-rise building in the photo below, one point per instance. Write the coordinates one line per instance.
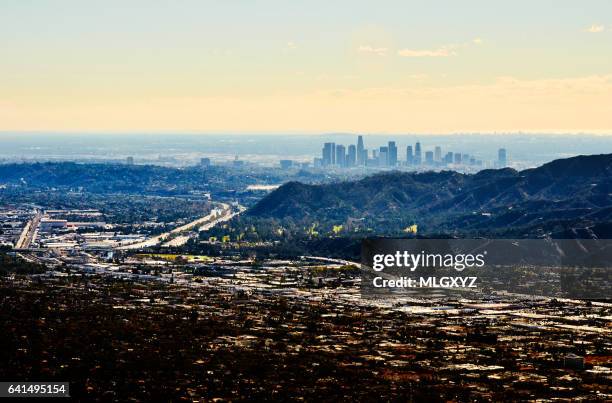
(392, 149)
(409, 156)
(351, 158)
(361, 158)
(438, 154)
(340, 156)
(130, 160)
(417, 153)
(286, 164)
(204, 162)
(429, 157)
(237, 162)
(502, 158)
(448, 159)
(329, 154)
(383, 156)
(457, 158)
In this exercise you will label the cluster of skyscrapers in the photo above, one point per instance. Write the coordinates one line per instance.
(337, 155)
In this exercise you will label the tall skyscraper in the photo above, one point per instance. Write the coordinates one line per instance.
(130, 160)
(329, 154)
(448, 159)
(502, 158)
(286, 164)
(341, 156)
(409, 156)
(351, 158)
(429, 157)
(383, 156)
(237, 162)
(457, 158)
(360, 151)
(417, 153)
(392, 158)
(204, 162)
(438, 154)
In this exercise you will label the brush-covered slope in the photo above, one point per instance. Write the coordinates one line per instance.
(566, 193)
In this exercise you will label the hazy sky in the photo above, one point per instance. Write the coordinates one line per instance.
(306, 66)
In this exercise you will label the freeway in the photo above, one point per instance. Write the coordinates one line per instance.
(332, 261)
(177, 236)
(29, 231)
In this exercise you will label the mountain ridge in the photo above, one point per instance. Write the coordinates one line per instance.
(561, 191)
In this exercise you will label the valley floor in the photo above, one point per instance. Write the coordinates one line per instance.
(125, 340)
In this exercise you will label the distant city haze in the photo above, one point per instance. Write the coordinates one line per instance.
(523, 150)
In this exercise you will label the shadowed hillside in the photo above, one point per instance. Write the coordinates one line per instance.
(562, 197)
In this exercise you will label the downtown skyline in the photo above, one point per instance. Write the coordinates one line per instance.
(413, 156)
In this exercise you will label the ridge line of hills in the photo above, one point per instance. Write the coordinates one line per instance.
(569, 197)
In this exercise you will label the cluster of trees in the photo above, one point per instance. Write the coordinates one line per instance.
(116, 208)
(143, 179)
(288, 229)
(12, 264)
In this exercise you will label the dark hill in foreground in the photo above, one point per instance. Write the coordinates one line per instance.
(563, 197)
